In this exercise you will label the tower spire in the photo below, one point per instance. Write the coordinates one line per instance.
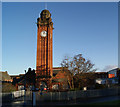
(46, 5)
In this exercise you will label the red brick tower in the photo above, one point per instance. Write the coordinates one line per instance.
(44, 48)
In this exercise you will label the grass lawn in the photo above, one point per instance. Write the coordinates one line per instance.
(100, 104)
(109, 103)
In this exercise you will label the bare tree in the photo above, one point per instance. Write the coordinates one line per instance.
(75, 66)
(65, 68)
(82, 65)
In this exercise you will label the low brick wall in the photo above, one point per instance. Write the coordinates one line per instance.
(59, 96)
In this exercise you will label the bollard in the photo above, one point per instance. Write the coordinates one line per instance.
(34, 99)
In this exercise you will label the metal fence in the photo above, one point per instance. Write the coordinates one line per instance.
(13, 95)
(70, 95)
(59, 96)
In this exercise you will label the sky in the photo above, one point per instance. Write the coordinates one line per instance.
(86, 28)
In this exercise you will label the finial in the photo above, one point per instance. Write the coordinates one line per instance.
(46, 5)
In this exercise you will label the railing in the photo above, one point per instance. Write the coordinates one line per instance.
(11, 96)
(60, 96)
(70, 95)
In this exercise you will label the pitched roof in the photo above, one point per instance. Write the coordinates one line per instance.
(61, 77)
(56, 70)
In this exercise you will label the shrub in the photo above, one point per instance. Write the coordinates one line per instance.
(100, 86)
(8, 87)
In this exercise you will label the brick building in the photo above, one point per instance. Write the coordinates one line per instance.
(5, 77)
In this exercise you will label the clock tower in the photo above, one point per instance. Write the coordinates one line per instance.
(44, 49)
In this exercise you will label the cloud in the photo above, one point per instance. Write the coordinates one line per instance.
(109, 67)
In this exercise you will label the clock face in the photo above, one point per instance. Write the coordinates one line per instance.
(43, 33)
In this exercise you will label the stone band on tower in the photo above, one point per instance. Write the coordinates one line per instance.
(44, 46)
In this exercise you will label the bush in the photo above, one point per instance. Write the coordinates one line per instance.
(8, 87)
(100, 86)
(74, 89)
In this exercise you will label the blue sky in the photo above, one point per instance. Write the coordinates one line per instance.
(87, 28)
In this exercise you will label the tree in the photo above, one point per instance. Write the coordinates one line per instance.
(82, 65)
(84, 80)
(65, 65)
(8, 87)
(75, 66)
(30, 76)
